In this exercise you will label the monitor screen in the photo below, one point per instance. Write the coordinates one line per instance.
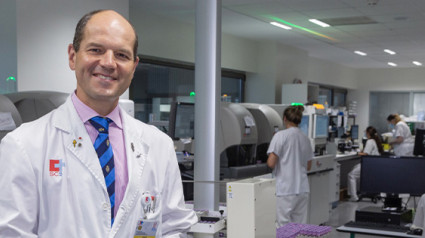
(340, 132)
(182, 120)
(354, 132)
(380, 174)
(321, 124)
(304, 124)
(419, 148)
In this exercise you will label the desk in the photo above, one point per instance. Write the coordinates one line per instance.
(347, 162)
(353, 231)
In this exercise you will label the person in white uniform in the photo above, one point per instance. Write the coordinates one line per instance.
(402, 141)
(51, 177)
(419, 219)
(373, 147)
(289, 155)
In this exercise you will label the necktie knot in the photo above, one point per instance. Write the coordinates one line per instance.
(101, 124)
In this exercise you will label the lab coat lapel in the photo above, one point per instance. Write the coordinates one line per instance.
(77, 140)
(137, 154)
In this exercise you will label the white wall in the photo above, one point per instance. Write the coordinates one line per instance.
(325, 72)
(168, 39)
(44, 30)
(260, 86)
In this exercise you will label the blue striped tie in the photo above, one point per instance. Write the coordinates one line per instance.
(106, 157)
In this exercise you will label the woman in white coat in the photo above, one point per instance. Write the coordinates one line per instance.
(402, 141)
(290, 154)
(373, 147)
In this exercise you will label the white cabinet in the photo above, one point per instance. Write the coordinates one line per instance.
(301, 93)
(251, 208)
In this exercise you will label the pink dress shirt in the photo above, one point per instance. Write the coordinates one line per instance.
(116, 136)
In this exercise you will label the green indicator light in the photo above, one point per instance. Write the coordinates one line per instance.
(297, 104)
(11, 78)
(192, 94)
(301, 28)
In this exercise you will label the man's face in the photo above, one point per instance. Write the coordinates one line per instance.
(104, 65)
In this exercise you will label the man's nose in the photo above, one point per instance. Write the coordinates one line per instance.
(108, 60)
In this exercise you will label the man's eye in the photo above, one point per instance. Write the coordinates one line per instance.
(123, 56)
(94, 50)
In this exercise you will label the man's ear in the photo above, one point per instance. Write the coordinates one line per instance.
(71, 56)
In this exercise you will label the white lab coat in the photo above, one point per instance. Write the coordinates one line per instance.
(406, 147)
(419, 221)
(294, 151)
(33, 203)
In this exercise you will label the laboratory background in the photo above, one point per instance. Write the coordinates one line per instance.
(216, 76)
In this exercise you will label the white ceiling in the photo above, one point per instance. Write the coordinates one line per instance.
(400, 26)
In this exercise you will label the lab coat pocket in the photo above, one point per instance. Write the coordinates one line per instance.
(149, 225)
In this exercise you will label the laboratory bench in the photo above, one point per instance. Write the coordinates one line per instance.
(346, 161)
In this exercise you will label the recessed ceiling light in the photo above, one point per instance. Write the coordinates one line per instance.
(392, 64)
(389, 52)
(281, 25)
(320, 23)
(417, 63)
(360, 53)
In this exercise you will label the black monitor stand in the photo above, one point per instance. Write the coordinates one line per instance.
(392, 202)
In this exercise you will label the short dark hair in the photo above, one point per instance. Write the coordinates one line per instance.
(81, 25)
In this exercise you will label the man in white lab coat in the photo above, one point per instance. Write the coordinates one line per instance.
(51, 180)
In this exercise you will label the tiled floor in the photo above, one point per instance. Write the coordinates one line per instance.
(345, 212)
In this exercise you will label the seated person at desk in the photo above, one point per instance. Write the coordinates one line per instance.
(403, 141)
(373, 147)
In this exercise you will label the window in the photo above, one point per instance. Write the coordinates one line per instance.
(8, 85)
(334, 96)
(157, 83)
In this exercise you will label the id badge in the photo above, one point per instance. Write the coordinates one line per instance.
(149, 225)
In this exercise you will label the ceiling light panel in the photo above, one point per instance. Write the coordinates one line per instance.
(392, 64)
(320, 23)
(389, 52)
(360, 53)
(281, 25)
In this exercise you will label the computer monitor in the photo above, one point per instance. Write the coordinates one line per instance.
(354, 132)
(321, 124)
(182, 120)
(304, 124)
(392, 175)
(340, 132)
(419, 148)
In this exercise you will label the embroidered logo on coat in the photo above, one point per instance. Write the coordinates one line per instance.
(56, 167)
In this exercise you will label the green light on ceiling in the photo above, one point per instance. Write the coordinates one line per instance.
(301, 28)
(297, 104)
(11, 78)
(192, 94)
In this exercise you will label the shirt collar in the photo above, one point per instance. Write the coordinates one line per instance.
(86, 113)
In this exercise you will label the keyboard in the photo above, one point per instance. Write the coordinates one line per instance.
(378, 226)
